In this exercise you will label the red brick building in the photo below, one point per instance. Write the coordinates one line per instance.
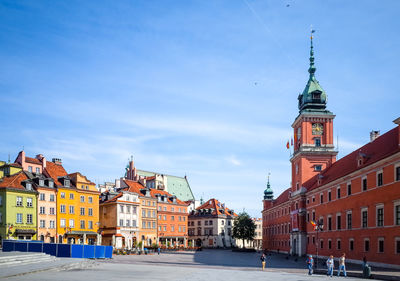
(355, 200)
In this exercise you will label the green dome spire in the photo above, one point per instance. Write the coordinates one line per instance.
(313, 98)
(268, 193)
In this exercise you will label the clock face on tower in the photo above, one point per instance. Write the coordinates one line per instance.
(317, 129)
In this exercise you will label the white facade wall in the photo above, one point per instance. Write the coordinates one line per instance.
(128, 231)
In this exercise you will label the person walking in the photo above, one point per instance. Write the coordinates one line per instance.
(158, 250)
(342, 265)
(330, 264)
(310, 264)
(263, 259)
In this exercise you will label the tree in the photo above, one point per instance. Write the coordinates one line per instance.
(243, 228)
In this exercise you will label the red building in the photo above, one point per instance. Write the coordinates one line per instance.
(355, 201)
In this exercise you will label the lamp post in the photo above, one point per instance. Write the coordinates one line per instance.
(319, 227)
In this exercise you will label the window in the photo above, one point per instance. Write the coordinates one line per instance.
(379, 216)
(143, 224)
(153, 214)
(165, 217)
(397, 243)
(42, 210)
(90, 199)
(134, 210)
(128, 222)
(321, 198)
(317, 142)
(338, 222)
(366, 245)
(364, 218)
(149, 223)
(82, 224)
(398, 173)
(52, 210)
(52, 224)
(313, 199)
(381, 245)
(66, 183)
(72, 209)
(339, 244)
(37, 170)
(308, 216)
(321, 244)
(128, 209)
(172, 228)
(62, 209)
(51, 184)
(52, 197)
(90, 211)
(349, 223)
(329, 223)
(71, 196)
(82, 211)
(172, 218)
(313, 215)
(351, 244)
(29, 202)
(121, 208)
(134, 223)
(41, 182)
(71, 223)
(397, 215)
(379, 179)
(30, 169)
(317, 168)
(19, 218)
(82, 199)
(349, 189)
(364, 184)
(62, 195)
(62, 222)
(42, 196)
(19, 201)
(154, 225)
(198, 222)
(90, 224)
(329, 196)
(338, 193)
(329, 244)
(149, 213)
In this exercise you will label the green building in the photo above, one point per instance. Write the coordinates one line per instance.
(18, 208)
(8, 169)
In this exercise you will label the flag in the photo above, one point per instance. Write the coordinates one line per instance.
(295, 138)
(287, 145)
(312, 30)
(314, 224)
(291, 142)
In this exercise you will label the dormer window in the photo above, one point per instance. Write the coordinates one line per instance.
(66, 183)
(28, 186)
(41, 182)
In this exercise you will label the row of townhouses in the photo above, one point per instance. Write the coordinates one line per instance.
(40, 200)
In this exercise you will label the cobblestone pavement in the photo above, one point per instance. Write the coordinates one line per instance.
(206, 265)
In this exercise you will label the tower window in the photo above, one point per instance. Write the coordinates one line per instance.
(316, 97)
(317, 142)
(317, 168)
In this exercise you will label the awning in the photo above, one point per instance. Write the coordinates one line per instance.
(81, 233)
(25, 231)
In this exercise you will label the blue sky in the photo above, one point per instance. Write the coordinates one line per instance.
(203, 88)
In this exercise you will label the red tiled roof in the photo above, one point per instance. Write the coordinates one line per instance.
(134, 186)
(13, 181)
(380, 148)
(114, 199)
(54, 171)
(33, 160)
(213, 204)
(283, 197)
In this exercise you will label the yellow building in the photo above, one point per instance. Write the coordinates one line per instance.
(9, 169)
(87, 210)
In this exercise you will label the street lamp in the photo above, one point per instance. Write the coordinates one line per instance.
(319, 227)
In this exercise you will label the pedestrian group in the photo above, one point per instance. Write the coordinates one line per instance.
(330, 264)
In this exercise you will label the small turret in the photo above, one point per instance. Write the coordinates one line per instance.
(268, 193)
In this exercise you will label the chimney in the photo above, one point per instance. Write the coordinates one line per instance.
(373, 135)
(57, 161)
(42, 159)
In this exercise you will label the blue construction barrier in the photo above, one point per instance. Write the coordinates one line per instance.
(59, 250)
(100, 252)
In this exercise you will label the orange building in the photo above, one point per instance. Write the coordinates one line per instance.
(351, 205)
(172, 219)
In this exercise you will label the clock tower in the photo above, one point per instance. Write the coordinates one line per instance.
(313, 132)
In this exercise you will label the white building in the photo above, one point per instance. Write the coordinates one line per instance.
(210, 225)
